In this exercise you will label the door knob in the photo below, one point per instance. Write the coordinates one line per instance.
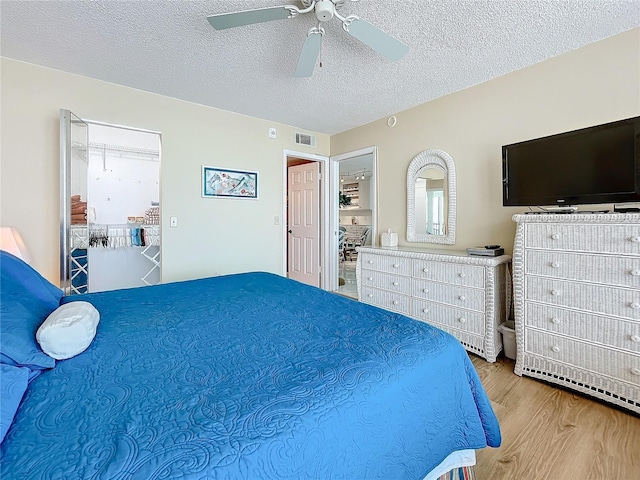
(290, 231)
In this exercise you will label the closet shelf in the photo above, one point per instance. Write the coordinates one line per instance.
(123, 149)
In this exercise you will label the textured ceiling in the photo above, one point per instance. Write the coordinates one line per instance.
(169, 48)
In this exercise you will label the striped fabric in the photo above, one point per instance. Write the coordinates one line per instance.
(463, 473)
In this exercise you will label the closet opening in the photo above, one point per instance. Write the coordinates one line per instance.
(110, 208)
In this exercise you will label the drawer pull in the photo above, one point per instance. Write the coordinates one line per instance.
(635, 371)
(370, 295)
(462, 320)
(555, 236)
(555, 349)
(369, 262)
(635, 239)
(635, 338)
(555, 293)
(635, 305)
(425, 310)
(370, 278)
(462, 297)
(395, 284)
(395, 302)
(635, 272)
(555, 320)
(555, 264)
(395, 265)
(425, 270)
(425, 290)
(462, 275)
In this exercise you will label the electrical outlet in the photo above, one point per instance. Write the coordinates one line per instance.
(173, 221)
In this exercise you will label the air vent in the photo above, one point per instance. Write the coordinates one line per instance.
(305, 139)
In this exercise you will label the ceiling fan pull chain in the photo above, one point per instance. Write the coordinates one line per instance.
(321, 30)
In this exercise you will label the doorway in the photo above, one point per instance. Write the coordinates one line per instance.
(353, 213)
(328, 204)
(110, 207)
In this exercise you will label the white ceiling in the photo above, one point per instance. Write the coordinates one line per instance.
(168, 47)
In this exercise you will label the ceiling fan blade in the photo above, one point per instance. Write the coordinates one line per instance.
(309, 55)
(247, 17)
(381, 42)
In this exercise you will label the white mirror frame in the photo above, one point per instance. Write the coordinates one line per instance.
(431, 159)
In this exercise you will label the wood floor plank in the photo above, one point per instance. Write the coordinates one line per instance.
(550, 432)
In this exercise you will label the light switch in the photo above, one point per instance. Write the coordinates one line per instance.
(276, 220)
(173, 221)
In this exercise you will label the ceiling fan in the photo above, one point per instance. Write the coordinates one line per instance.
(324, 10)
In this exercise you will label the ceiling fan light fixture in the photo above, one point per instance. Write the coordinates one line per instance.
(325, 10)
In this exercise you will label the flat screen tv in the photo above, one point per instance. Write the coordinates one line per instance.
(594, 165)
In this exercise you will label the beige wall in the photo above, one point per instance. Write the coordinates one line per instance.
(214, 235)
(595, 84)
(592, 85)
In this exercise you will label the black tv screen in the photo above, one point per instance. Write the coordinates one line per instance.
(594, 165)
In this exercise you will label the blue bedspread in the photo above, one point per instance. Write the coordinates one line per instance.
(249, 376)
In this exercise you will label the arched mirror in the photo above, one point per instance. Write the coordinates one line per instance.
(431, 198)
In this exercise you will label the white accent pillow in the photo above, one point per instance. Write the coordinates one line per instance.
(68, 330)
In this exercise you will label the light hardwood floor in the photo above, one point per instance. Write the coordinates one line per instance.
(551, 433)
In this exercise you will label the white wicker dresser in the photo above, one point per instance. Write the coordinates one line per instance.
(464, 295)
(576, 280)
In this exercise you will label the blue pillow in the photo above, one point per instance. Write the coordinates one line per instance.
(13, 384)
(27, 298)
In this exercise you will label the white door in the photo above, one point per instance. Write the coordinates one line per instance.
(303, 223)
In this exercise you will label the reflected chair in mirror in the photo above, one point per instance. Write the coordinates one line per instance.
(350, 245)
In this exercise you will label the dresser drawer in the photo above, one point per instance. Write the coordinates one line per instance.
(612, 301)
(387, 264)
(439, 315)
(608, 270)
(602, 238)
(457, 274)
(386, 281)
(455, 295)
(387, 300)
(595, 328)
(621, 365)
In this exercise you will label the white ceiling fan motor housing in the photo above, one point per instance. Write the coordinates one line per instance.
(325, 9)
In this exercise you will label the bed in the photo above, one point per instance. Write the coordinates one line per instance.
(240, 376)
